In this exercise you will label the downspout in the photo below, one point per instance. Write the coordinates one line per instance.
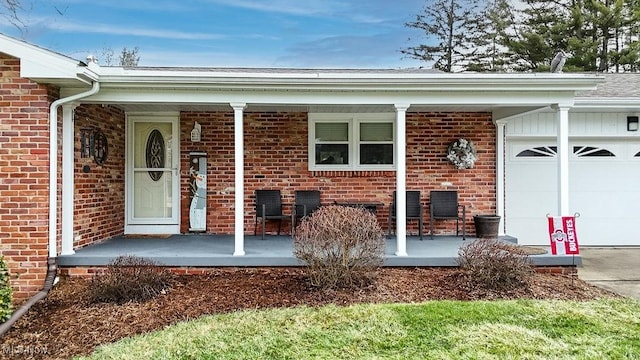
(53, 164)
(48, 284)
(52, 267)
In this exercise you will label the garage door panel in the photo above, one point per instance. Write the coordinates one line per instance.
(537, 177)
(522, 202)
(605, 233)
(605, 191)
(606, 204)
(529, 230)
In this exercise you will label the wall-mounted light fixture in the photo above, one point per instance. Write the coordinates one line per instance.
(632, 123)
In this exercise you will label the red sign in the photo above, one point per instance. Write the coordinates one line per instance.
(562, 232)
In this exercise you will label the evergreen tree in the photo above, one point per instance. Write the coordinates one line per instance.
(599, 35)
(628, 38)
(489, 42)
(541, 33)
(450, 24)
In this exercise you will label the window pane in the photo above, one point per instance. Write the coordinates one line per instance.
(376, 154)
(332, 131)
(327, 154)
(378, 131)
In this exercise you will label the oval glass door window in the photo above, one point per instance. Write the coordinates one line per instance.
(155, 154)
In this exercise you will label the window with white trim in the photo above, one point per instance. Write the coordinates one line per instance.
(352, 141)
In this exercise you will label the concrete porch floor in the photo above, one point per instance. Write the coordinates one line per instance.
(217, 250)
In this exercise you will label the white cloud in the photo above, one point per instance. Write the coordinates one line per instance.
(144, 32)
(369, 51)
(63, 25)
(291, 7)
(203, 58)
(155, 5)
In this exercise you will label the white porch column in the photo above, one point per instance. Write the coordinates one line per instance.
(238, 136)
(500, 180)
(401, 179)
(563, 159)
(68, 176)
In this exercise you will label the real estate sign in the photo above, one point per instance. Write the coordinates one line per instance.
(562, 233)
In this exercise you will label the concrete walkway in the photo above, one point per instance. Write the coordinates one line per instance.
(614, 269)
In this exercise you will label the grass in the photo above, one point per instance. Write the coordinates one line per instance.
(524, 329)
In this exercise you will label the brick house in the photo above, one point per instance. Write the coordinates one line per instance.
(258, 130)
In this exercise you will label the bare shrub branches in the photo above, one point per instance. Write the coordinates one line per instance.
(129, 278)
(341, 246)
(492, 264)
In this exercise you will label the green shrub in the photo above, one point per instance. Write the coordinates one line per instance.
(6, 298)
(492, 264)
(341, 246)
(129, 278)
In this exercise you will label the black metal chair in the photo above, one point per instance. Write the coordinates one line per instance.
(443, 205)
(269, 207)
(306, 202)
(414, 210)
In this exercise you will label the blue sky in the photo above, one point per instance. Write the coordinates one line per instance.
(228, 33)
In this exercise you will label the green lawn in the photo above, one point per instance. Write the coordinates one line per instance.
(526, 329)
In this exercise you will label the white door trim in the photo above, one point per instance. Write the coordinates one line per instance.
(170, 225)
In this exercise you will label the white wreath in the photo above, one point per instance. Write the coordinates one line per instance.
(462, 154)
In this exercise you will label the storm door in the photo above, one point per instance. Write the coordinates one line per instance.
(152, 175)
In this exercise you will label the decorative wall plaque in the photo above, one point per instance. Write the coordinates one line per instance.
(100, 148)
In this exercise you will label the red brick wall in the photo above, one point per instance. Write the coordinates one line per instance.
(276, 157)
(99, 189)
(24, 177)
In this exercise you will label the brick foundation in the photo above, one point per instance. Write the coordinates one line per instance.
(88, 272)
(560, 270)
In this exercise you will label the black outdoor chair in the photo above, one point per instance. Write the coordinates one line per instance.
(269, 207)
(414, 210)
(306, 202)
(443, 205)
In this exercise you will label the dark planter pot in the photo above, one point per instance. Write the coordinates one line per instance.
(486, 226)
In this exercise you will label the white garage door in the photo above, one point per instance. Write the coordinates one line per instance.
(604, 182)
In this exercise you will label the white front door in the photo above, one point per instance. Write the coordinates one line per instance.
(152, 175)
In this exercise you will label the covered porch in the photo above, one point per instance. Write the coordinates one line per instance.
(257, 130)
(217, 250)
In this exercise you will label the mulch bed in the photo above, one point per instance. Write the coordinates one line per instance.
(66, 324)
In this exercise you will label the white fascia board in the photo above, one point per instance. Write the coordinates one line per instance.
(607, 104)
(42, 65)
(335, 97)
(339, 80)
